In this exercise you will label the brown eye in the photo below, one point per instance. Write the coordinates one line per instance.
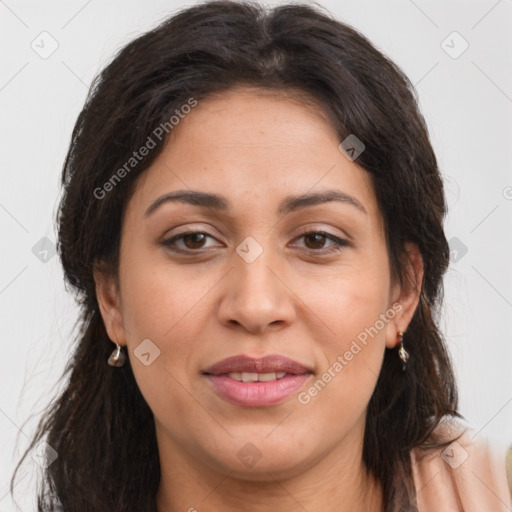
(194, 240)
(315, 240)
(191, 241)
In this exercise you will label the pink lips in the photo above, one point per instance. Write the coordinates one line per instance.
(259, 393)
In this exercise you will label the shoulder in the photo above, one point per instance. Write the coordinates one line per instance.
(464, 476)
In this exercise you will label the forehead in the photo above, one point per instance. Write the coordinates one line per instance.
(254, 123)
(255, 147)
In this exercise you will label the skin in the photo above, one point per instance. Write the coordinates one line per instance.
(256, 148)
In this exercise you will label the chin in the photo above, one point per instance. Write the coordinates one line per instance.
(264, 460)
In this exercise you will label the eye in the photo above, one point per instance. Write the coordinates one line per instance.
(189, 241)
(315, 241)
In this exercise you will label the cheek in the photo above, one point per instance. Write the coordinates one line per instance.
(355, 309)
(359, 322)
(352, 357)
(167, 308)
(159, 300)
(353, 301)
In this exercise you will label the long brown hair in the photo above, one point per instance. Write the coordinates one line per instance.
(209, 48)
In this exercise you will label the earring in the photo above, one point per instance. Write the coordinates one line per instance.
(402, 353)
(117, 358)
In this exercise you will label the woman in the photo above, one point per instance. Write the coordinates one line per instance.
(252, 222)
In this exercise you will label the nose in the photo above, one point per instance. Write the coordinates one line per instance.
(256, 296)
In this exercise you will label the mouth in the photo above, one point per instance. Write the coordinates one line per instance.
(247, 381)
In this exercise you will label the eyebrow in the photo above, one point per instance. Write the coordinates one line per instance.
(288, 205)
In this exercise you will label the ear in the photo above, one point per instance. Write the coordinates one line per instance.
(405, 297)
(108, 297)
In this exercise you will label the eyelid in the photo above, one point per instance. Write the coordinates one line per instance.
(191, 228)
(328, 231)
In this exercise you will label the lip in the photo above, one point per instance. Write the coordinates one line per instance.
(270, 363)
(257, 394)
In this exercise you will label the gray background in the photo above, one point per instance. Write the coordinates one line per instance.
(466, 99)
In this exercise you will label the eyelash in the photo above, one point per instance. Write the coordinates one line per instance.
(339, 242)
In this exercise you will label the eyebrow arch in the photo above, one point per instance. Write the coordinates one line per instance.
(293, 203)
(220, 203)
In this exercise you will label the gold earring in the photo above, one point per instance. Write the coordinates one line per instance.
(402, 353)
(117, 358)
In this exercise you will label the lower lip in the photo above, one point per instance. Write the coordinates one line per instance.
(257, 394)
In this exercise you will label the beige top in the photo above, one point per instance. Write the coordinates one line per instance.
(464, 477)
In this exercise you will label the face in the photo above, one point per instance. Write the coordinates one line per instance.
(269, 249)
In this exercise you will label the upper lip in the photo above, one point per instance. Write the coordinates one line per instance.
(267, 364)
